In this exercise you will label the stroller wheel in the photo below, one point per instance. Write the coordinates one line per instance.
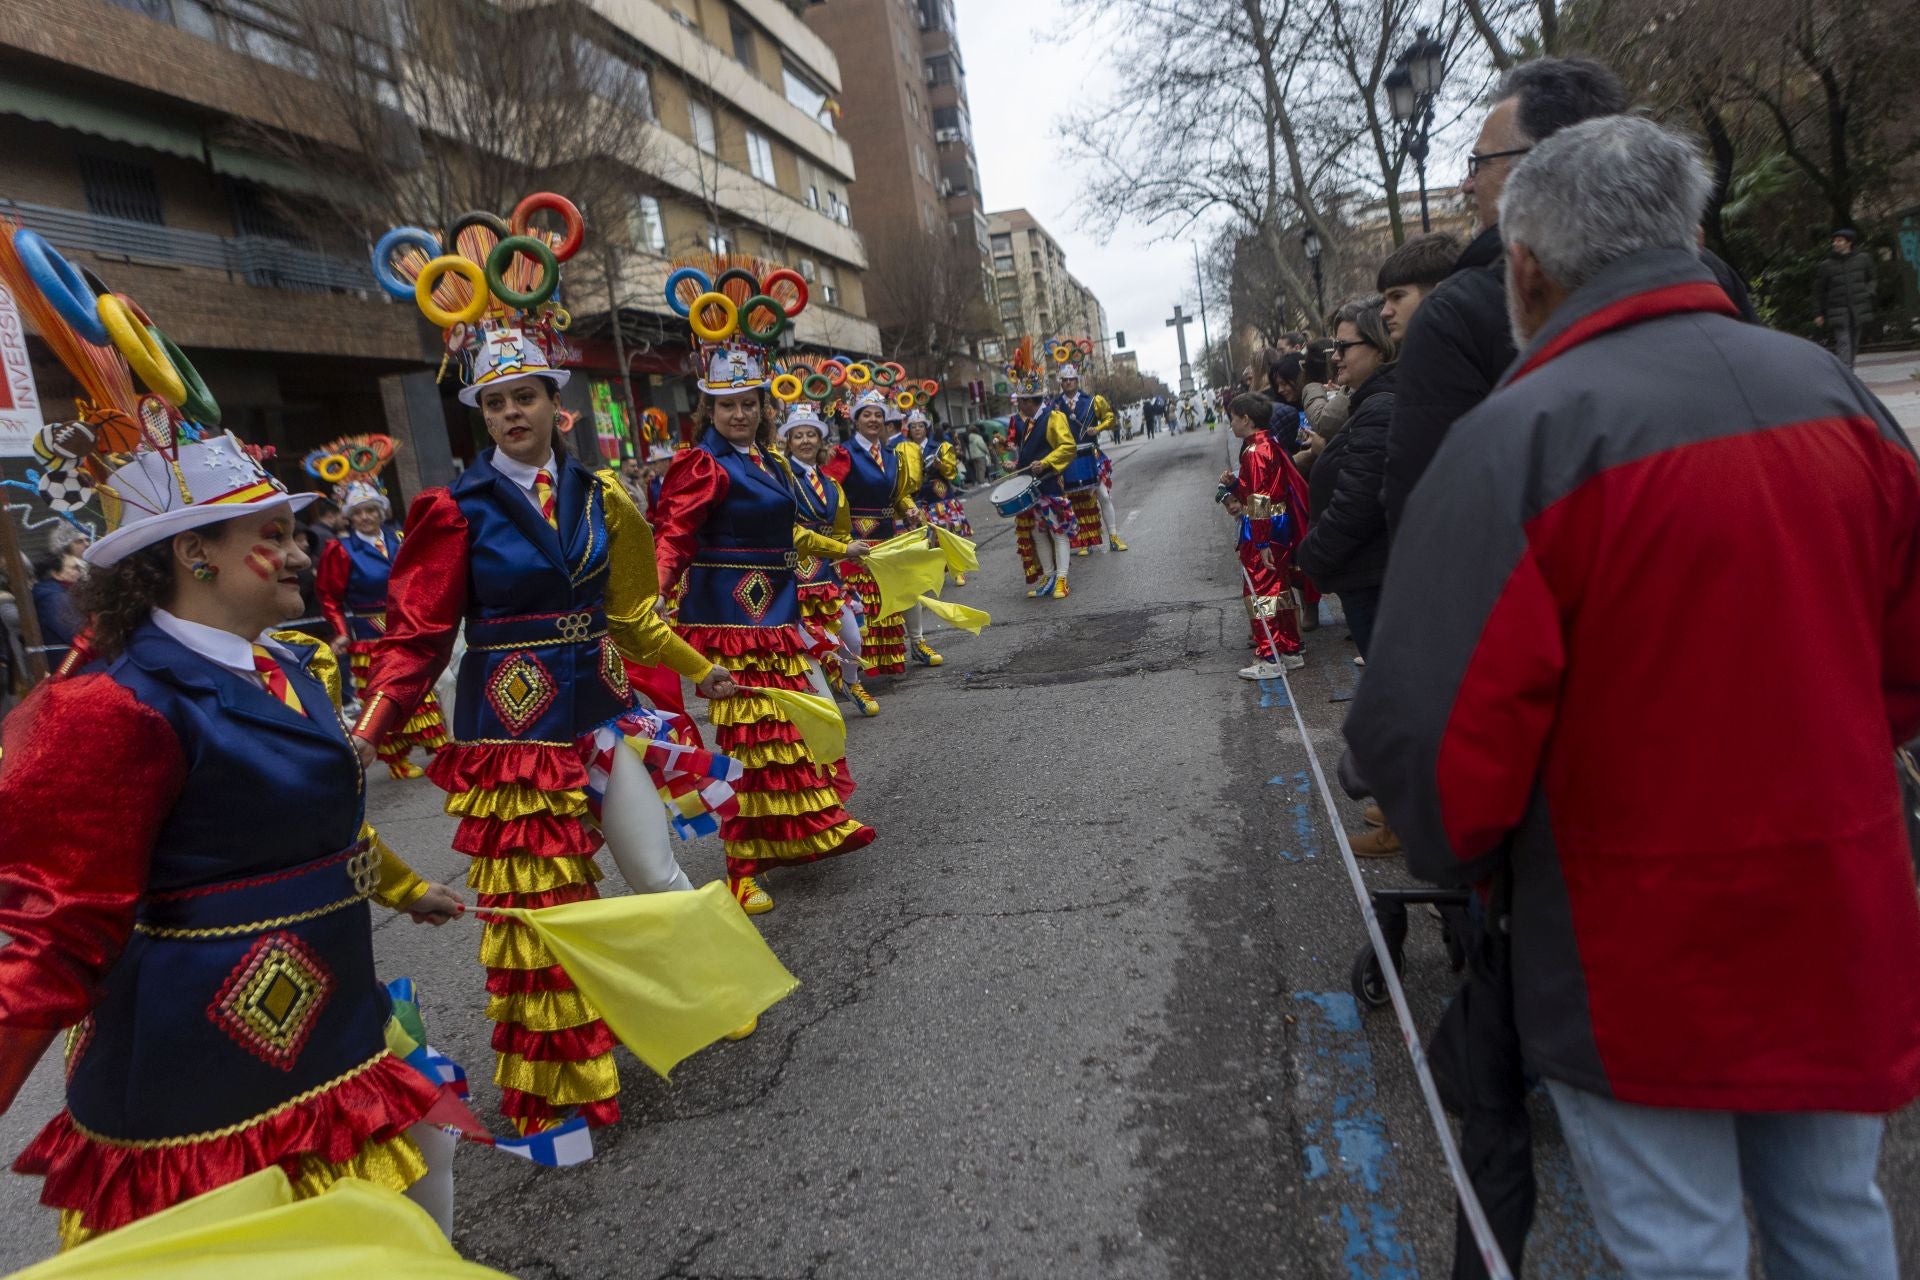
(1369, 983)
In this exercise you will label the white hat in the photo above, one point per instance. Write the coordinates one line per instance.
(361, 493)
(731, 368)
(508, 354)
(208, 481)
(871, 399)
(917, 416)
(802, 415)
(1069, 371)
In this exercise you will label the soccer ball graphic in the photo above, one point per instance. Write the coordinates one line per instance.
(66, 489)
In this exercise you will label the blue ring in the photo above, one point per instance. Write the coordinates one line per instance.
(60, 281)
(674, 281)
(383, 248)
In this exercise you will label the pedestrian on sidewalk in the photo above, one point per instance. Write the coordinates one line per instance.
(1517, 722)
(1843, 293)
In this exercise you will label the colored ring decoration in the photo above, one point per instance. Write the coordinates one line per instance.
(768, 336)
(858, 375)
(199, 403)
(903, 399)
(553, 203)
(835, 371)
(883, 376)
(686, 275)
(786, 388)
(1062, 353)
(898, 370)
(143, 354)
(94, 282)
(738, 275)
(333, 468)
(930, 386)
(1086, 346)
(476, 218)
(472, 272)
(816, 386)
(920, 398)
(560, 318)
(400, 238)
(382, 447)
(713, 333)
(501, 258)
(62, 284)
(361, 457)
(794, 278)
(655, 417)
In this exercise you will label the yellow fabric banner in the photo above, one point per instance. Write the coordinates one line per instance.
(255, 1227)
(962, 555)
(669, 972)
(905, 568)
(818, 720)
(958, 615)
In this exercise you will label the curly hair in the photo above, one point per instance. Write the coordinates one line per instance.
(118, 600)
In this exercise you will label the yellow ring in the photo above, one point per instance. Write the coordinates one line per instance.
(1062, 353)
(467, 269)
(700, 328)
(786, 387)
(142, 350)
(331, 473)
(858, 375)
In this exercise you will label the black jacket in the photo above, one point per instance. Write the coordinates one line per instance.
(1457, 346)
(1346, 544)
(1843, 286)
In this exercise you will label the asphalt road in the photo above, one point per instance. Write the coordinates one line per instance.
(1082, 1010)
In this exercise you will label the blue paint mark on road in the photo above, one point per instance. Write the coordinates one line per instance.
(1339, 1110)
(1273, 693)
(1302, 809)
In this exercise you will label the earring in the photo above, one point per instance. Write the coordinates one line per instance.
(204, 572)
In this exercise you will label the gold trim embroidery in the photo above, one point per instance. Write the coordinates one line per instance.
(214, 1135)
(257, 926)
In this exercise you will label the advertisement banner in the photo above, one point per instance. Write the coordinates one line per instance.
(19, 399)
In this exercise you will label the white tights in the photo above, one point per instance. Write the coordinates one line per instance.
(636, 827)
(1052, 550)
(1109, 522)
(434, 1191)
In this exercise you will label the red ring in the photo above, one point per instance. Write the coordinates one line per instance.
(553, 203)
(793, 278)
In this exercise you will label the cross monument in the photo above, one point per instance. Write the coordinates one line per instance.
(1179, 325)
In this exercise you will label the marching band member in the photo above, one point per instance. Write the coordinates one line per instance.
(1269, 496)
(1088, 416)
(940, 488)
(1046, 447)
(728, 519)
(880, 481)
(825, 604)
(352, 587)
(549, 569)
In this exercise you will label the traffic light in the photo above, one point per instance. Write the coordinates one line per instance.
(1119, 339)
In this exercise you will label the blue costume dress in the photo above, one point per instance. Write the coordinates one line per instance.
(820, 505)
(1048, 439)
(1087, 416)
(351, 581)
(879, 497)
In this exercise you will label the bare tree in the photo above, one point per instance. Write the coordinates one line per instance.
(924, 293)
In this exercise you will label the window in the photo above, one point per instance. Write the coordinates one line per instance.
(702, 117)
(920, 165)
(120, 189)
(718, 241)
(760, 156)
(804, 94)
(607, 75)
(1003, 244)
(808, 271)
(812, 198)
(743, 43)
(645, 227)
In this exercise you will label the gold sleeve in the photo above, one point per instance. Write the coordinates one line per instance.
(818, 545)
(1102, 415)
(322, 665)
(842, 513)
(396, 885)
(949, 462)
(633, 579)
(1060, 436)
(912, 476)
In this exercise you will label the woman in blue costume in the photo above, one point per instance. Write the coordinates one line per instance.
(880, 476)
(826, 607)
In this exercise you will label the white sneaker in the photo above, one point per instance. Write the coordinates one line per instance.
(1263, 671)
(1359, 662)
(1293, 661)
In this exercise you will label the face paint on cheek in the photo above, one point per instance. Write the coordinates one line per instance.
(266, 562)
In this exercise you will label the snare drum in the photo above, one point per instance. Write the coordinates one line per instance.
(1012, 496)
(1084, 471)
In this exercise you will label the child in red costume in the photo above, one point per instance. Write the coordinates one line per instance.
(1270, 497)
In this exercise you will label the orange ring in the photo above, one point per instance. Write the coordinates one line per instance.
(553, 203)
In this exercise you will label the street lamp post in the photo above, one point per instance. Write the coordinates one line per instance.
(1412, 87)
(1310, 245)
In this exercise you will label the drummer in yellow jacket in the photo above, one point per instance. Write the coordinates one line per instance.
(1046, 447)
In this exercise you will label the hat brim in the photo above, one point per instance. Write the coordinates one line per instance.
(720, 391)
(812, 424)
(470, 396)
(141, 534)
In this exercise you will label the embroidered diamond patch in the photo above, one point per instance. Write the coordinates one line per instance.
(755, 594)
(612, 670)
(519, 691)
(272, 999)
(864, 525)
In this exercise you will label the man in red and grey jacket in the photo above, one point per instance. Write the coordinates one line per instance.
(1714, 919)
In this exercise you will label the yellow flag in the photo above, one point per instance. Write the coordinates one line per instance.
(669, 972)
(818, 720)
(962, 555)
(958, 615)
(255, 1227)
(904, 571)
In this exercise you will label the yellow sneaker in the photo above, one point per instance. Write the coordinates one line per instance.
(1083, 551)
(1060, 589)
(923, 653)
(959, 579)
(742, 1033)
(869, 705)
(405, 769)
(1117, 544)
(1043, 588)
(752, 898)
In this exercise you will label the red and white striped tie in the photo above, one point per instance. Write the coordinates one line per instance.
(543, 494)
(275, 678)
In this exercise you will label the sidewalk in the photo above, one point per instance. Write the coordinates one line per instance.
(1890, 376)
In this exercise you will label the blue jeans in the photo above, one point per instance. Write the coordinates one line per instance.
(1361, 606)
(1666, 1189)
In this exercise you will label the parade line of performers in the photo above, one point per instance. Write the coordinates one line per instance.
(189, 867)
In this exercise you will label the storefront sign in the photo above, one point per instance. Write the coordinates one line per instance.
(20, 417)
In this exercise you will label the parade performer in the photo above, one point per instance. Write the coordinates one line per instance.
(826, 607)
(351, 582)
(940, 486)
(187, 862)
(728, 519)
(1043, 534)
(1269, 496)
(1088, 416)
(880, 480)
(550, 570)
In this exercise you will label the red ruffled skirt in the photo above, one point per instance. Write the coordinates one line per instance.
(883, 641)
(424, 728)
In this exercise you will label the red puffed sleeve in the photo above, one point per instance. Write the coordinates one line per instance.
(426, 599)
(839, 464)
(88, 776)
(330, 584)
(694, 482)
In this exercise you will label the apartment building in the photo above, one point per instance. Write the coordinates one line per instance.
(1036, 294)
(918, 201)
(137, 137)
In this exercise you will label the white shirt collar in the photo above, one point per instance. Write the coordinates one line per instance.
(222, 648)
(378, 540)
(520, 473)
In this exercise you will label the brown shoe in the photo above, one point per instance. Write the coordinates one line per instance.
(1375, 842)
(1372, 816)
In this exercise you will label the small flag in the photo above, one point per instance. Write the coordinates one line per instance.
(959, 615)
(560, 1147)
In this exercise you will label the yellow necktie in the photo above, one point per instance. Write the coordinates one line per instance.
(543, 494)
(875, 447)
(819, 490)
(275, 678)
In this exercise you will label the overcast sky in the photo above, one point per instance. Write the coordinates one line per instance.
(1022, 78)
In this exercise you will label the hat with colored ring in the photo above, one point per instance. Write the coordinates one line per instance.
(362, 493)
(869, 399)
(732, 368)
(507, 354)
(204, 482)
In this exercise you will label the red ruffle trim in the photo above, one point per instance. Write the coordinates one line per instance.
(842, 780)
(516, 1105)
(111, 1186)
(783, 777)
(758, 733)
(574, 1044)
(534, 901)
(517, 982)
(480, 766)
(818, 591)
(751, 679)
(800, 826)
(544, 835)
(860, 839)
(739, 642)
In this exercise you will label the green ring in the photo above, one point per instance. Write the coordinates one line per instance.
(883, 377)
(768, 336)
(199, 404)
(354, 452)
(501, 258)
(807, 386)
